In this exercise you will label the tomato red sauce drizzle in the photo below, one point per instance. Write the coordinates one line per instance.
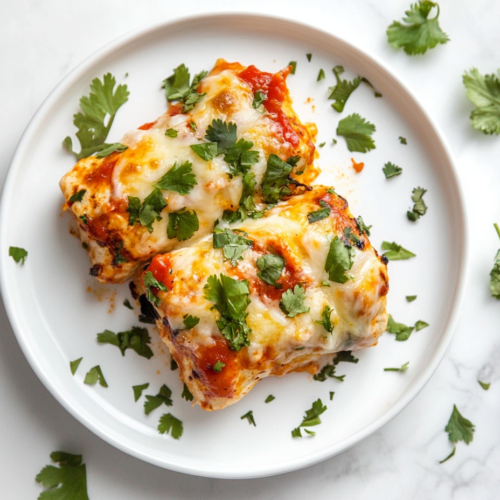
(275, 88)
(147, 126)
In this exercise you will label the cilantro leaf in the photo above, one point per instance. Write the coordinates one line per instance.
(178, 88)
(320, 214)
(246, 206)
(190, 321)
(137, 339)
(138, 390)
(293, 65)
(459, 428)
(170, 424)
(484, 92)
(362, 227)
(219, 365)
(420, 325)
(186, 394)
(419, 208)
(153, 402)
(396, 252)
(420, 33)
(484, 385)
(325, 319)
(357, 133)
(277, 178)
(66, 482)
(321, 75)
(269, 398)
(93, 128)
(151, 282)
(73, 365)
(206, 150)
(339, 260)
(391, 170)
(249, 417)
(224, 134)
(179, 179)
(112, 148)
(231, 300)
(311, 418)
(232, 243)
(403, 140)
(495, 272)
(95, 375)
(292, 302)
(18, 254)
(78, 196)
(240, 158)
(258, 98)
(411, 298)
(344, 88)
(328, 371)
(402, 369)
(150, 209)
(402, 331)
(171, 132)
(352, 237)
(182, 224)
(271, 266)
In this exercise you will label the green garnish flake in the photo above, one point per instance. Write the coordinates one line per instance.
(218, 366)
(271, 266)
(206, 150)
(292, 302)
(173, 364)
(73, 365)
(357, 132)
(137, 339)
(127, 304)
(258, 99)
(138, 390)
(147, 212)
(321, 75)
(193, 126)
(78, 196)
(95, 375)
(325, 283)
(411, 298)
(391, 170)
(309, 57)
(325, 319)
(119, 258)
(419, 207)
(171, 132)
(179, 179)
(321, 145)
(178, 87)
(344, 88)
(352, 237)
(459, 428)
(484, 385)
(331, 395)
(93, 128)
(112, 148)
(66, 482)
(339, 260)
(231, 298)
(420, 325)
(293, 64)
(233, 244)
(150, 282)
(276, 181)
(320, 214)
(18, 254)
(484, 92)
(311, 418)
(495, 272)
(328, 371)
(269, 398)
(182, 224)
(170, 424)
(402, 369)
(190, 321)
(186, 394)
(249, 416)
(396, 252)
(164, 397)
(362, 227)
(84, 218)
(403, 140)
(420, 33)
(401, 331)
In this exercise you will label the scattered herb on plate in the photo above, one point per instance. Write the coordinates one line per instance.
(391, 170)
(311, 418)
(357, 132)
(18, 254)
(169, 424)
(249, 416)
(419, 207)
(153, 402)
(138, 390)
(396, 252)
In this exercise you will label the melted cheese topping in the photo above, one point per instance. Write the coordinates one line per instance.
(151, 154)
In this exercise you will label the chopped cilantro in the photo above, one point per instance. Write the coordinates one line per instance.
(224, 134)
(18, 254)
(459, 428)
(402, 369)
(362, 227)
(353, 238)
(231, 300)
(320, 214)
(182, 224)
(137, 339)
(68, 481)
(484, 385)
(495, 272)
(193, 126)
(232, 243)
(339, 260)
(293, 64)
(411, 298)
(396, 252)
(127, 304)
(206, 150)
(419, 207)
(119, 258)
(328, 371)
(321, 75)
(345, 357)
(112, 148)
(153, 402)
(271, 266)
(322, 144)
(95, 375)
(77, 196)
(277, 178)
(391, 170)
(258, 99)
(402, 331)
(73, 365)
(84, 218)
(138, 390)
(190, 321)
(171, 132)
(170, 424)
(179, 179)
(249, 417)
(186, 394)
(334, 141)
(357, 133)
(452, 454)
(178, 88)
(173, 364)
(151, 282)
(344, 88)
(146, 213)
(325, 319)
(311, 418)
(218, 366)
(420, 325)
(269, 398)
(403, 140)
(292, 302)
(309, 57)
(246, 206)
(484, 92)
(420, 33)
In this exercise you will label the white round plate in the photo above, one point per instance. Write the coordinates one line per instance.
(56, 308)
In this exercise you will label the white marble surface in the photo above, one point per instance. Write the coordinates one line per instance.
(42, 40)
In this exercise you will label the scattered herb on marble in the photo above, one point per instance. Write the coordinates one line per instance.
(459, 428)
(311, 418)
(484, 385)
(452, 454)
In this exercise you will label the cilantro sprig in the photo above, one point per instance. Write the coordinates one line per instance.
(137, 339)
(178, 88)
(271, 266)
(420, 33)
(147, 212)
(95, 375)
(357, 132)
(170, 425)
(339, 260)
(342, 90)
(311, 418)
(419, 207)
(182, 224)
(98, 111)
(325, 319)
(276, 181)
(179, 179)
(164, 397)
(233, 244)
(292, 302)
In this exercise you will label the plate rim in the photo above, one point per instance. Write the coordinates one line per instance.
(309, 458)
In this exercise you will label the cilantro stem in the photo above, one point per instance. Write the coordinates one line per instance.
(497, 229)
